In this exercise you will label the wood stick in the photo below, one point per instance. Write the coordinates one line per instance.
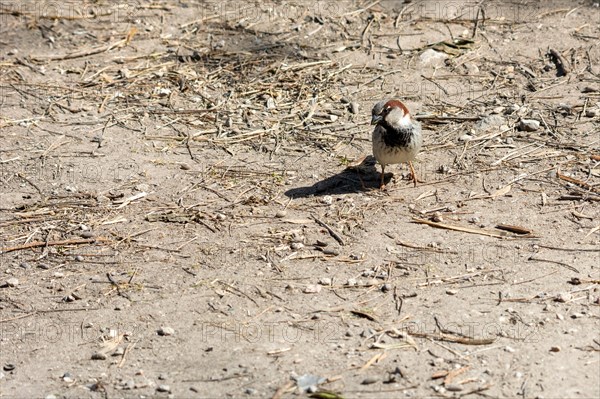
(37, 244)
(335, 235)
(463, 229)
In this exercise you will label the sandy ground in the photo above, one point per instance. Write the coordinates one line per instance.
(186, 208)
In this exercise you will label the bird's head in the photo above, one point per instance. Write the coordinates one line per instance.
(393, 112)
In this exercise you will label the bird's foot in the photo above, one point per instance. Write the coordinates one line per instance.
(413, 175)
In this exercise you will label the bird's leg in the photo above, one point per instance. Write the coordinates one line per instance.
(382, 184)
(412, 173)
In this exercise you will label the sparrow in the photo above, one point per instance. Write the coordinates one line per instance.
(396, 137)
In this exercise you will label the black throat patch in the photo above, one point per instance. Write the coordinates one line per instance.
(397, 137)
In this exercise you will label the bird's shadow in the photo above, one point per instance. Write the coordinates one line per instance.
(359, 177)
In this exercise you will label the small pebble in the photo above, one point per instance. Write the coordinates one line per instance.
(555, 349)
(86, 234)
(564, 297)
(354, 108)
(12, 282)
(43, 266)
(330, 251)
(281, 214)
(185, 166)
(79, 258)
(98, 356)
(325, 281)
(251, 391)
(8, 367)
(509, 349)
(591, 113)
(465, 137)
(296, 246)
(118, 352)
(437, 217)
(529, 125)
(577, 315)
(386, 287)
(220, 216)
(438, 388)
(163, 388)
(166, 331)
(312, 289)
(453, 387)
(67, 377)
(128, 385)
(25, 265)
(327, 199)
(351, 282)
(451, 292)
(369, 380)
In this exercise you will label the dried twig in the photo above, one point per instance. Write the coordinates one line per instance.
(464, 229)
(37, 244)
(335, 235)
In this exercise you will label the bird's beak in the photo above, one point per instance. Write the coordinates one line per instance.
(375, 119)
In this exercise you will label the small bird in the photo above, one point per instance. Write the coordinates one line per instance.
(396, 137)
